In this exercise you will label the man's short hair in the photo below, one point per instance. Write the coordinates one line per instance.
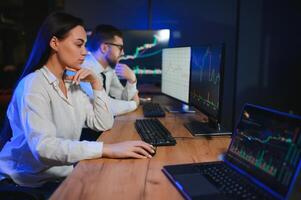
(102, 33)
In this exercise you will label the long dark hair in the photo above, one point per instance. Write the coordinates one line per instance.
(57, 24)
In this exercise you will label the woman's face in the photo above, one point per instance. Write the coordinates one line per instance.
(71, 50)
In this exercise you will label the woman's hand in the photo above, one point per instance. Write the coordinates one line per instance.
(128, 149)
(85, 75)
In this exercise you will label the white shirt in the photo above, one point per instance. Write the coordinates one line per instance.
(123, 95)
(117, 107)
(46, 129)
(113, 86)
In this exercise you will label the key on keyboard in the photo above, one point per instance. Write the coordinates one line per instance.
(153, 132)
(153, 110)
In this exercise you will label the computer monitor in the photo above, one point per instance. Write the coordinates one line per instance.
(206, 78)
(175, 76)
(143, 49)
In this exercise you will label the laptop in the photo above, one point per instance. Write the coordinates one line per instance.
(262, 161)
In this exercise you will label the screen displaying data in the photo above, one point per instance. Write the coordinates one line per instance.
(267, 144)
(206, 82)
(176, 72)
(143, 52)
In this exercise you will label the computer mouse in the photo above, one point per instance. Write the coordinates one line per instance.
(155, 151)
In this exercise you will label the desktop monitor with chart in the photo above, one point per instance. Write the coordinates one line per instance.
(205, 93)
(176, 76)
(143, 49)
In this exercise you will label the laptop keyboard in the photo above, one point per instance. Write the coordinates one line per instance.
(153, 110)
(153, 132)
(230, 183)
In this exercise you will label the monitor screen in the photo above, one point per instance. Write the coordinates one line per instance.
(143, 49)
(176, 72)
(206, 79)
(267, 144)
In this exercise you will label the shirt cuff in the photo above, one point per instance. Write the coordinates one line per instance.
(131, 90)
(101, 94)
(93, 150)
(132, 84)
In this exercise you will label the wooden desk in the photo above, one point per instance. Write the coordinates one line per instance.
(139, 178)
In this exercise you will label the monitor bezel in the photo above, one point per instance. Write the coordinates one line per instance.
(221, 88)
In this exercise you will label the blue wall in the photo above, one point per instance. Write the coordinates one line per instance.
(129, 14)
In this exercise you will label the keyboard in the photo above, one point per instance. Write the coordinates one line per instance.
(153, 110)
(198, 128)
(153, 132)
(230, 183)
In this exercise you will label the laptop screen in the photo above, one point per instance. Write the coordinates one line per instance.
(267, 145)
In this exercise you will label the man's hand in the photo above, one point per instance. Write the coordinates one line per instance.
(123, 71)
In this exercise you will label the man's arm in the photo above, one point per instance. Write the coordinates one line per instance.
(120, 107)
(117, 90)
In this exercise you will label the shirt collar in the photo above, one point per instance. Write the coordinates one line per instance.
(51, 78)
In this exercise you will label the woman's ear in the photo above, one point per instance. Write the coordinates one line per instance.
(54, 43)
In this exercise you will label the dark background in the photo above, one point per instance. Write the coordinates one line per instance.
(262, 40)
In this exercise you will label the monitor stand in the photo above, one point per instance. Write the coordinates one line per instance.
(183, 108)
(212, 127)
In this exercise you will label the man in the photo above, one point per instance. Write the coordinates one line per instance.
(105, 47)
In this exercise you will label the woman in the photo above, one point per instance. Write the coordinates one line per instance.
(49, 109)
